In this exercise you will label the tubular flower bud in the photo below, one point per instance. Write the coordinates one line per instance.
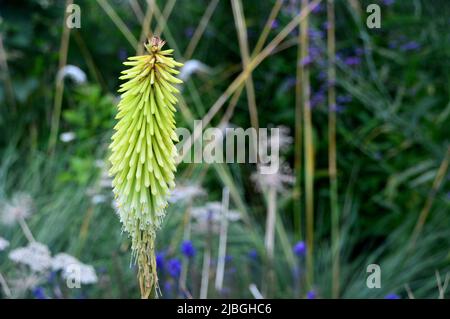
(143, 152)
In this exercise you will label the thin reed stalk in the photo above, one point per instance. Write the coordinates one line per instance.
(241, 28)
(59, 90)
(309, 147)
(146, 24)
(9, 91)
(200, 29)
(118, 22)
(222, 239)
(165, 16)
(441, 173)
(298, 143)
(332, 162)
(206, 263)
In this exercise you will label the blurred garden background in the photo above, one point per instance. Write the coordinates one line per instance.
(365, 176)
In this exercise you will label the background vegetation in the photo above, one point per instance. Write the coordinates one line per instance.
(392, 146)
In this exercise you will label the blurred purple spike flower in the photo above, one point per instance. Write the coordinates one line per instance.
(388, 2)
(315, 34)
(122, 54)
(300, 249)
(253, 254)
(307, 60)
(317, 9)
(160, 256)
(352, 60)
(317, 98)
(410, 46)
(188, 249)
(174, 267)
(360, 51)
(392, 296)
(343, 99)
(311, 294)
(274, 24)
(39, 293)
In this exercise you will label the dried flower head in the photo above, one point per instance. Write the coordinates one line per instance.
(280, 179)
(35, 255)
(19, 207)
(143, 152)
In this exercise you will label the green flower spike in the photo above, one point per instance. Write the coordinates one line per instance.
(143, 153)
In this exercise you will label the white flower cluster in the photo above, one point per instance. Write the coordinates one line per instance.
(37, 256)
(69, 266)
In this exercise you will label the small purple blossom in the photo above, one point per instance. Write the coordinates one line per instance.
(317, 99)
(311, 294)
(188, 249)
(388, 2)
(352, 60)
(174, 267)
(337, 108)
(39, 293)
(160, 260)
(122, 54)
(410, 46)
(253, 254)
(343, 99)
(307, 60)
(274, 24)
(392, 296)
(300, 249)
(317, 9)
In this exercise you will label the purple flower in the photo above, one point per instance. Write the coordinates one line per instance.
(343, 99)
(189, 32)
(122, 54)
(317, 9)
(337, 108)
(307, 60)
(160, 260)
(253, 254)
(311, 294)
(360, 51)
(274, 24)
(39, 293)
(388, 2)
(300, 249)
(188, 249)
(317, 98)
(352, 60)
(315, 34)
(392, 296)
(174, 267)
(410, 46)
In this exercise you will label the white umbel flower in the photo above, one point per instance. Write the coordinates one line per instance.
(82, 272)
(35, 255)
(72, 268)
